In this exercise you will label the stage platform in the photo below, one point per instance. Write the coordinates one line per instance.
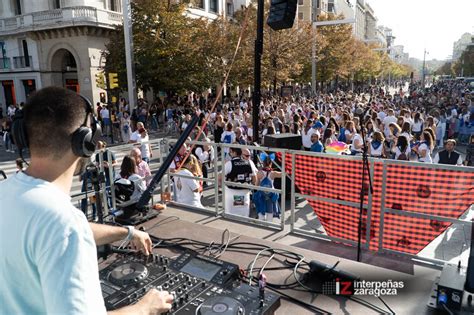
(412, 299)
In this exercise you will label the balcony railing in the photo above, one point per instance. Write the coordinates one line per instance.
(5, 63)
(21, 62)
(60, 18)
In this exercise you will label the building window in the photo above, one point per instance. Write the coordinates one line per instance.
(198, 4)
(26, 54)
(300, 15)
(114, 5)
(300, 2)
(213, 6)
(17, 6)
(331, 7)
(56, 4)
(230, 9)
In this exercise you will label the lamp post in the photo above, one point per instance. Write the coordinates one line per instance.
(313, 54)
(423, 71)
(127, 30)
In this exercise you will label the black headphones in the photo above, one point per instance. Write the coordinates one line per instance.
(83, 139)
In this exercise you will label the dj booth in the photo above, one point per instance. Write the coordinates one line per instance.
(175, 264)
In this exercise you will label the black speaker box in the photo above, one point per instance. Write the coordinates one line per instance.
(282, 14)
(283, 141)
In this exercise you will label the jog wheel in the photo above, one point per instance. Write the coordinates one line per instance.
(221, 305)
(128, 273)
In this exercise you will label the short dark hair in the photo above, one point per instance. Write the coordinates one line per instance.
(237, 151)
(51, 116)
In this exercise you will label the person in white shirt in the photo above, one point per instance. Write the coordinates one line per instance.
(425, 148)
(189, 191)
(11, 111)
(401, 149)
(205, 155)
(135, 136)
(390, 119)
(145, 146)
(105, 114)
(376, 146)
(52, 269)
(306, 135)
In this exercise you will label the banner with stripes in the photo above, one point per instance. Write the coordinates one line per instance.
(336, 182)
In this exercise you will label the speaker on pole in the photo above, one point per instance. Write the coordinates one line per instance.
(282, 14)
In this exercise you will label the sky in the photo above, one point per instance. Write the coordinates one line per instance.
(431, 24)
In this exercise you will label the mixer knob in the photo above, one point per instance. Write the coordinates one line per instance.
(165, 268)
(203, 284)
(186, 296)
(159, 288)
(180, 291)
(171, 282)
(181, 300)
(188, 278)
(184, 287)
(176, 278)
(190, 283)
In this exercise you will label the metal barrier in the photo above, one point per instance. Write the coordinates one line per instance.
(318, 197)
(380, 207)
(447, 176)
(219, 165)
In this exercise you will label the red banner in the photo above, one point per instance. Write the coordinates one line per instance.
(439, 192)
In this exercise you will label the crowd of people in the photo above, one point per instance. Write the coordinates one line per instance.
(423, 125)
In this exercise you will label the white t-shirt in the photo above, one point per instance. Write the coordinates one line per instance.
(145, 146)
(11, 111)
(397, 152)
(416, 127)
(386, 122)
(376, 152)
(49, 261)
(135, 136)
(307, 138)
(185, 189)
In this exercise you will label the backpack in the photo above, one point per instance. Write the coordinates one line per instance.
(228, 138)
(342, 135)
(264, 199)
(124, 189)
(402, 156)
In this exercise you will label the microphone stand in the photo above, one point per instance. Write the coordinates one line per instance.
(365, 169)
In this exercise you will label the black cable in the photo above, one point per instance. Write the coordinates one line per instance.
(386, 305)
(293, 300)
(446, 308)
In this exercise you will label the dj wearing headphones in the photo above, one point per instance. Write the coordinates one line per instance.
(49, 261)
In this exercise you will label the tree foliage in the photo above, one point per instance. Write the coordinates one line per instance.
(175, 53)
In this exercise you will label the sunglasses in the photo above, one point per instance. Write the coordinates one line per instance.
(246, 155)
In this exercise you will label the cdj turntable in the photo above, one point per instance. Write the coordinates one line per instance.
(199, 284)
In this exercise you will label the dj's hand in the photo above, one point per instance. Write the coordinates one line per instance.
(156, 302)
(141, 241)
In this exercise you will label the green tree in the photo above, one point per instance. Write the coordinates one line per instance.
(465, 63)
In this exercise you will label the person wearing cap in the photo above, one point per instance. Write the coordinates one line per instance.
(448, 155)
